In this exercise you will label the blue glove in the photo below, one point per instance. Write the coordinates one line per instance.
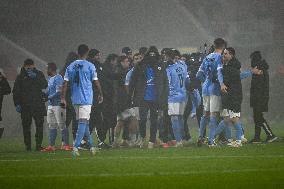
(31, 74)
(19, 108)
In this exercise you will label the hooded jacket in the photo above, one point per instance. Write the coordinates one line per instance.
(138, 82)
(28, 93)
(259, 91)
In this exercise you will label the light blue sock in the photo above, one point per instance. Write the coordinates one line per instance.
(220, 128)
(228, 132)
(212, 128)
(176, 128)
(239, 131)
(52, 136)
(89, 136)
(203, 122)
(193, 109)
(80, 133)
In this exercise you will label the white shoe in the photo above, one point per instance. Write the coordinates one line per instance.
(213, 145)
(93, 151)
(150, 145)
(179, 145)
(235, 144)
(244, 140)
(230, 140)
(75, 152)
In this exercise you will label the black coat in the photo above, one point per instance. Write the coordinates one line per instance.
(28, 93)
(138, 83)
(106, 76)
(259, 91)
(5, 89)
(232, 100)
(121, 99)
(192, 70)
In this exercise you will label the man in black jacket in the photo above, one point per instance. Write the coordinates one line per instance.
(29, 101)
(96, 119)
(259, 97)
(103, 116)
(125, 114)
(5, 89)
(149, 88)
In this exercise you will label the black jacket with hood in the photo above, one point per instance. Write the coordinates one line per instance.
(259, 91)
(27, 92)
(138, 81)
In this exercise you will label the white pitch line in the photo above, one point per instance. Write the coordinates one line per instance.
(181, 173)
(140, 158)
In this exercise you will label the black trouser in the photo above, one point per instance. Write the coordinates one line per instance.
(187, 111)
(71, 116)
(96, 119)
(102, 118)
(165, 127)
(260, 122)
(109, 122)
(27, 117)
(186, 114)
(143, 111)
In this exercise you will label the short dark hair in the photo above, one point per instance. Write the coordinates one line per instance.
(126, 50)
(151, 50)
(219, 43)
(171, 53)
(52, 66)
(111, 57)
(93, 53)
(28, 62)
(143, 50)
(256, 55)
(164, 50)
(231, 50)
(121, 58)
(83, 50)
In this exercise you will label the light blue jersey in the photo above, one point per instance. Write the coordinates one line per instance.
(54, 90)
(210, 73)
(81, 75)
(177, 76)
(128, 76)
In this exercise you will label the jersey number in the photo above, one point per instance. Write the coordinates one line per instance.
(180, 80)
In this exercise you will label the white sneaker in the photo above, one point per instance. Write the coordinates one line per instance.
(244, 140)
(230, 140)
(93, 151)
(75, 152)
(150, 145)
(235, 144)
(212, 145)
(179, 145)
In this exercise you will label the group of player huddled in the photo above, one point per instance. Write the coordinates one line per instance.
(118, 95)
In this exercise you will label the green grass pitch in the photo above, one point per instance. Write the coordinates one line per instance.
(251, 166)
